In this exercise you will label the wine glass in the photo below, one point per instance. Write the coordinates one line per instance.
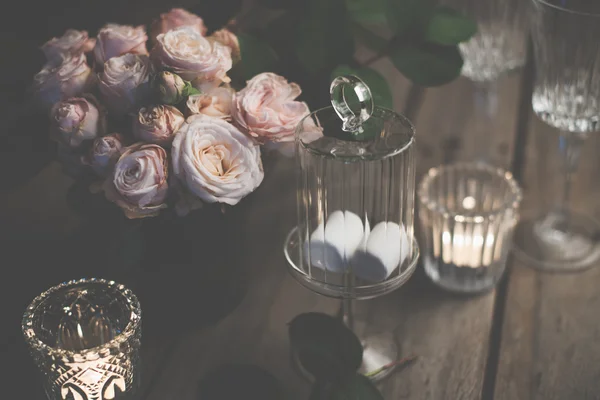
(356, 188)
(566, 96)
(499, 46)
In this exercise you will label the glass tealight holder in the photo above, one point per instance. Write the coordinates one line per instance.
(467, 213)
(355, 204)
(84, 336)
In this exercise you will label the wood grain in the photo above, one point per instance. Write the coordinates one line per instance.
(551, 333)
(449, 333)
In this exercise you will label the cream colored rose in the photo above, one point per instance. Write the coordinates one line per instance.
(195, 58)
(124, 83)
(77, 119)
(115, 40)
(138, 183)
(229, 39)
(61, 78)
(177, 18)
(265, 109)
(214, 103)
(157, 124)
(72, 42)
(104, 153)
(215, 161)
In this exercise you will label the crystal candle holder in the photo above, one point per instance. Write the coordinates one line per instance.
(467, 213)
(84, 337)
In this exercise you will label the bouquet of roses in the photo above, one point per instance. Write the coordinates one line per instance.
(163, 127)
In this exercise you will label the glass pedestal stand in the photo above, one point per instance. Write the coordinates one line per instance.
(380, 350)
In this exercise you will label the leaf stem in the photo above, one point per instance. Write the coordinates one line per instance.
(398, 363)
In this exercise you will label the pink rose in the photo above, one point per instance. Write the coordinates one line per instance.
(72, 41)
(265, 109)
(124, 83)
(214, 103)
(229, 39)
(104, 153)
(77, 119)
(157, 124)
(176, 18)
(61, 78)
(195, 58)
(115, 40)
(214, 161)
(138, 183)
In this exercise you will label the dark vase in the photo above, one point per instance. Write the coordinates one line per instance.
(192, 273)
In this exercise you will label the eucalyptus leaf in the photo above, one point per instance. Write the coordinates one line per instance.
(382, 95)
(407, 17)
(324, 36)
(358, 387)
(449, 27)
(427, 64)
(257, 56)
(325, 346)
(369, 38)
(367, 11)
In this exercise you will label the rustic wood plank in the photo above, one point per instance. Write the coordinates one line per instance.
(449, 333)
(551, 336)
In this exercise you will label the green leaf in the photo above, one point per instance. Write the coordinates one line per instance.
(382, 95)
(406, 16)
(367, 11)
(189, 90)
(358, 387)
(369, 38)
(257, 56)
(427, 64)
(325, 346)
(449, 27)
(324, 37)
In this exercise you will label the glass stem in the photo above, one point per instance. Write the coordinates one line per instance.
(347, 309)
(570, 146)
(486, 107)
(348, 313)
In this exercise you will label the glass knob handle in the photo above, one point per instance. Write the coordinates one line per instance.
(352, 101)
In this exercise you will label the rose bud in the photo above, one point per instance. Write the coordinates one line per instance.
(138, 183)
(61, 78)
(215, 103)
(104, 153)
(176, 18)
(115, 40)
(215, 161)
(169, 87)
(72, 42)
(229, 39)
(77, 119)
(195, 58)
(157, 124)
(124, 83)
(265, 109)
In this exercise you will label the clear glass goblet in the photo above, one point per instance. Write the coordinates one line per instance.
(499, 46)
(356, 188)
(84, 337)
(566, 96)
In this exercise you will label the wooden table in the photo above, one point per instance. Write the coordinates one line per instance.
(537, 336)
